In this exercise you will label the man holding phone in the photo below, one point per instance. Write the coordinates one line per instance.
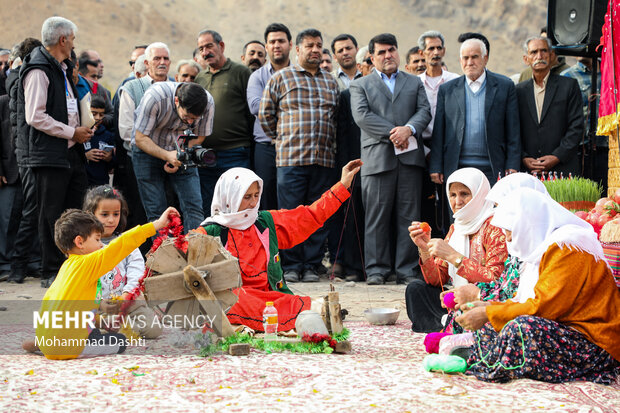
(99, 150)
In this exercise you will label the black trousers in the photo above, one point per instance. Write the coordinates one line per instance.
(423, 307)
(58, 189)
(27, 248)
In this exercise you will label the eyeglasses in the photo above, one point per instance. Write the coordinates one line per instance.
(132, 62)
(368, 61)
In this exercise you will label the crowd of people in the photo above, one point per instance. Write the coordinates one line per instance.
(223, 139)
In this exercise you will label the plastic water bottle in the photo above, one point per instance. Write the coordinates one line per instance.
(270, 321)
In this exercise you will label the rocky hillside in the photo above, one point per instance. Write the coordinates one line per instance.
(113, 27)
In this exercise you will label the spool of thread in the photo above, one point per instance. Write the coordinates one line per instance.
(431, 341)
(447, 364)
(448, 300)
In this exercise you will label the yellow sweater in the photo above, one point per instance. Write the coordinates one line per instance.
(73, 293)
(575, 290)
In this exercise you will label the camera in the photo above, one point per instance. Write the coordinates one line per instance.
(196, 156)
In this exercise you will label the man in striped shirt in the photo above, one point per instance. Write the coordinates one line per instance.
(165, 112)
(298, 112)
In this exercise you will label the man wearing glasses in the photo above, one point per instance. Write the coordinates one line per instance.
(165, 112)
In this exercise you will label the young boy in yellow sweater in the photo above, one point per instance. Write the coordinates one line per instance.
(65, 324)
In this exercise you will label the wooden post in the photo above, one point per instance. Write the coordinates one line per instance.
(208, 301)
(335, 320)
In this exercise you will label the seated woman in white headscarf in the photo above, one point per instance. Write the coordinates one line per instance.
(564, 322)
(255, 238)
(505, 286)
(473, 251)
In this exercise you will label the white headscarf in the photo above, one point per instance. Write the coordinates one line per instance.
(506, 185)
(469, 219)
(227, 197)
(537, 222)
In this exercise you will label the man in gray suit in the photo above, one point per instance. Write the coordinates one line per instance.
(476, 120)
(392, 110)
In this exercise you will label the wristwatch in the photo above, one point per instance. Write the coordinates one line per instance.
(458, 262)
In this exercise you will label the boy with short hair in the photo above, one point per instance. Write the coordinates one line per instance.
(78, 235)
(100, 149)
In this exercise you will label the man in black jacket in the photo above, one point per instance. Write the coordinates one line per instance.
(26, 257)
(550, 113)
(49, 118)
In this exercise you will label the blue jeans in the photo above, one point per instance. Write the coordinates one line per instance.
(302, 185)
(265, 167)
(226, 159)
(151, 175)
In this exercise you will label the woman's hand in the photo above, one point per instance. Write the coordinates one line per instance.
(443, 293)
(419, 237)
(474, 315)
(439, 248)
(465, 294)
(349, 171)
(165, 218)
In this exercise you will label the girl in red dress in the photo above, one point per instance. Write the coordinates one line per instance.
(255, 238)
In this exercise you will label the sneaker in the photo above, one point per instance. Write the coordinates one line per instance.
(291, 276)
(310, 276)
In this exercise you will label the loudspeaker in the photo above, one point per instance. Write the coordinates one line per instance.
(575, 26)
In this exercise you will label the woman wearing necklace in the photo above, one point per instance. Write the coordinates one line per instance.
(255, 238)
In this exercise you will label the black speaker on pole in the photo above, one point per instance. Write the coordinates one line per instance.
(574, 26)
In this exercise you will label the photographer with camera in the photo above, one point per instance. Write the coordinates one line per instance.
(168, 110)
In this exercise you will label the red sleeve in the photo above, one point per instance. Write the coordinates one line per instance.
(435, 270)
(294, 226)
(495, 255)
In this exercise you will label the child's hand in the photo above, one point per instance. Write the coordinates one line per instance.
(164, 219)
(110, 306)
(349, 171)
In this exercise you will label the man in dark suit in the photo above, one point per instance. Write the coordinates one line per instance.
(551, 114)
(476, 122)
(392, 110)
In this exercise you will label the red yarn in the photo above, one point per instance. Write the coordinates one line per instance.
(319, 338)
(431, 341)
(448, 300)
(174, 228)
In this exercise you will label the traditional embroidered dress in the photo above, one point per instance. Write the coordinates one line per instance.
(255, 238)
(566, 326)
(482, 245)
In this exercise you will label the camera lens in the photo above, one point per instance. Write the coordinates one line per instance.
(205, 157)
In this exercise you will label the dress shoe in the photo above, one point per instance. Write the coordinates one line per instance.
(4, 275)
(310, 276)
(291, 276)
(390, 276)
(375, 279)
(337, 270)
(354, 277)
(47, 282)
(406, 280)
(16, 278)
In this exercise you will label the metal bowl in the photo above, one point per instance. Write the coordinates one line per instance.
(381, 316)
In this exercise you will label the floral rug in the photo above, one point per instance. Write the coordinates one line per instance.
(383, 373)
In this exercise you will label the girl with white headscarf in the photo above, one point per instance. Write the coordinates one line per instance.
(473, 251)
(255, 238)
(564, 323)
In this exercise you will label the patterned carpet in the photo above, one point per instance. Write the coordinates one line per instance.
(383, 373)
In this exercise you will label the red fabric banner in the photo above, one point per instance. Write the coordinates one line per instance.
(609, 110)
